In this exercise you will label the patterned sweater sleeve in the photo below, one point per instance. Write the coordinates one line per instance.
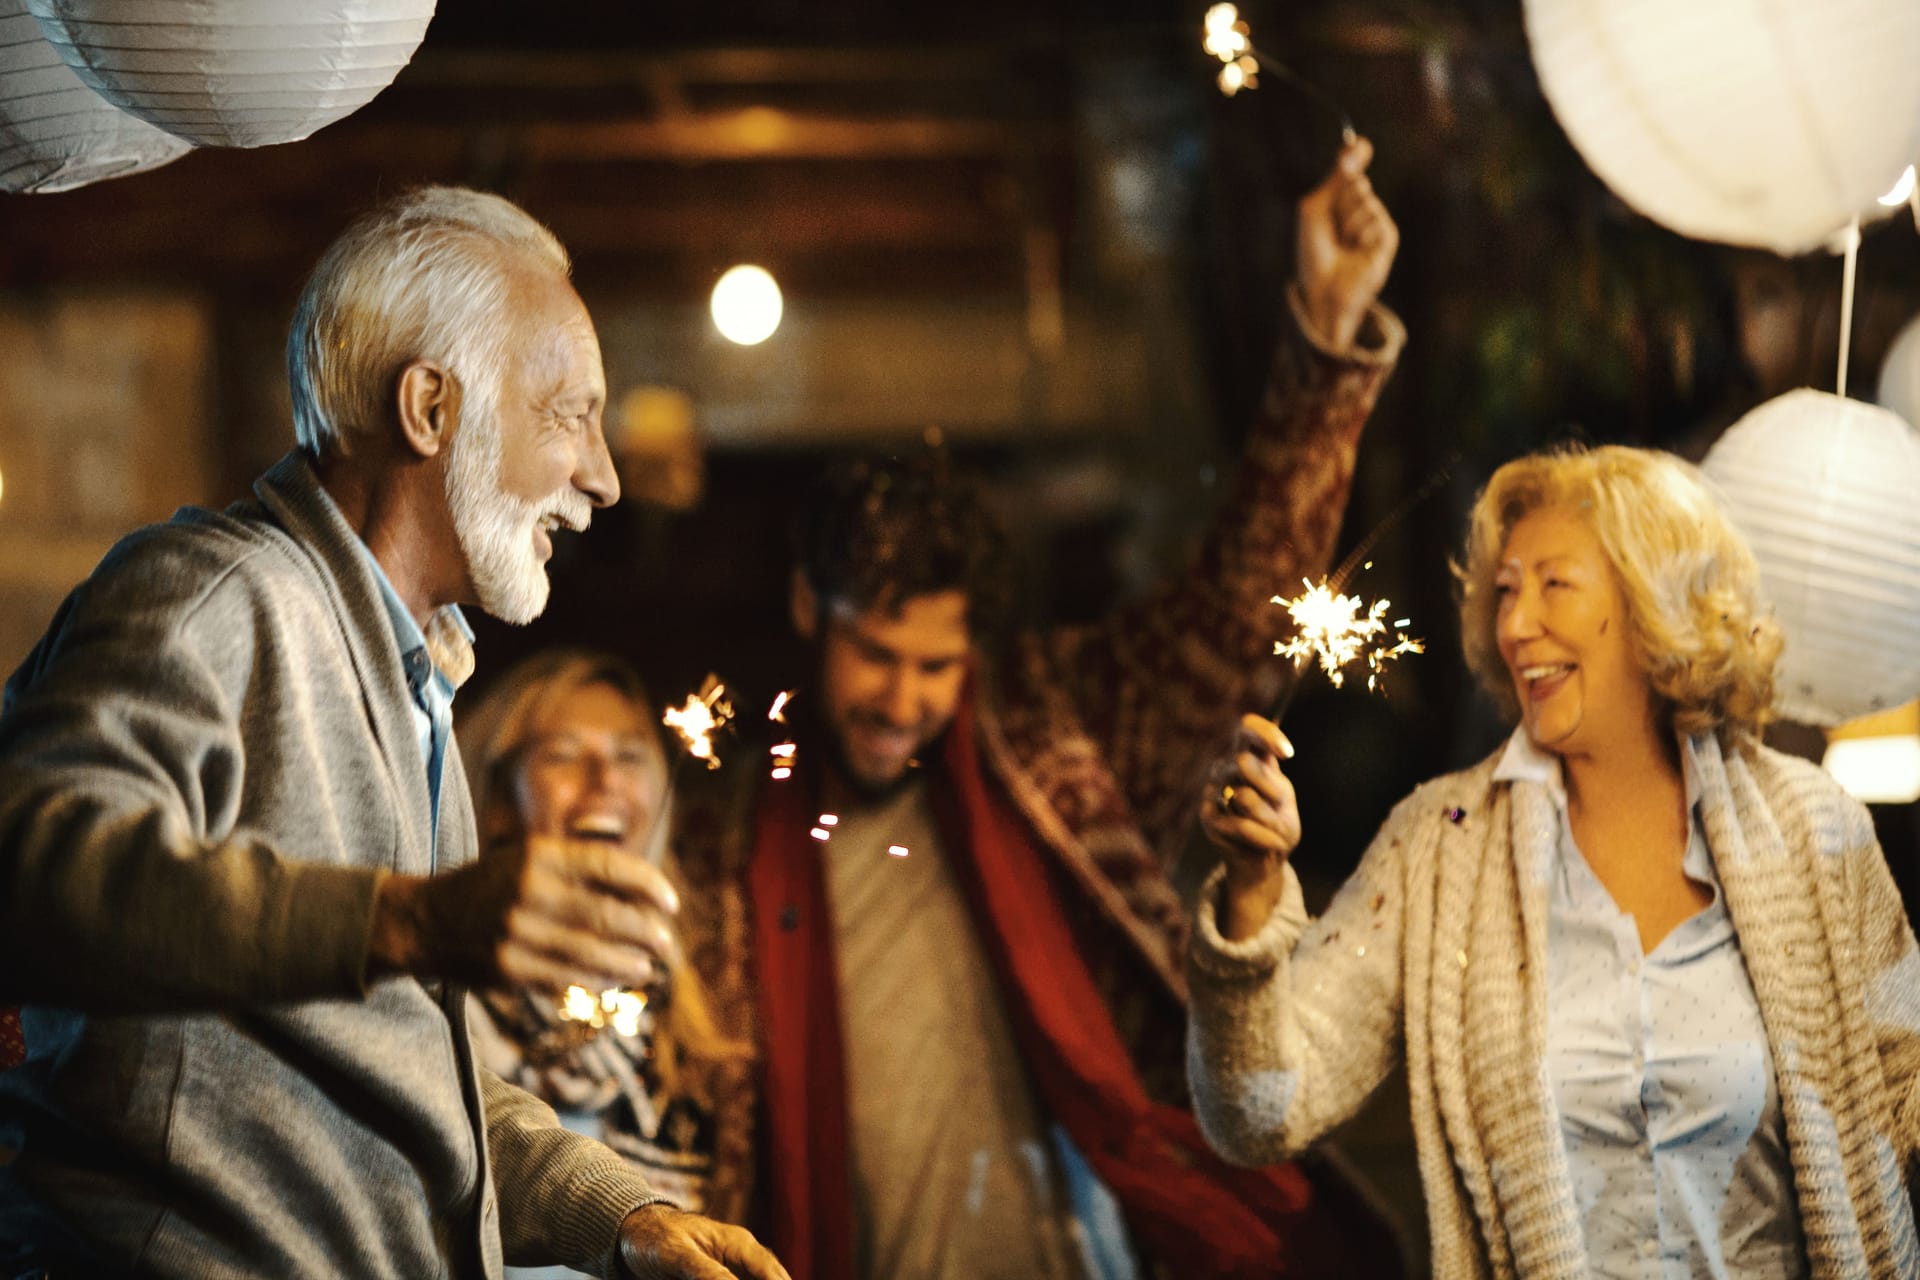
(1891, 967)
(1157, 683)
(1293, 1029)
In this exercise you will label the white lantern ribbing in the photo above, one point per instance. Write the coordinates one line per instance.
(56, 133)
(1827, 492)
(236, 73)
(1900, 374)
(1748, 121)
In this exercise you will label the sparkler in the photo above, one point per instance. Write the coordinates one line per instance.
(704, 714)
(1337, 630)
(1228, 38)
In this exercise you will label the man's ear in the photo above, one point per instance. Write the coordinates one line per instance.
(428, 405)
(804, 604)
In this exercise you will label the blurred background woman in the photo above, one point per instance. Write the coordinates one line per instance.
(566, 746)
(1659, 1003)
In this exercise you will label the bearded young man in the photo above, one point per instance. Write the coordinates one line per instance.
(970, 1054)
(238, 890)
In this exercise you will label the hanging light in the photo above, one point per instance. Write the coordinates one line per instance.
(746, 305)
(1902, 190)
(1771, 125)
(1877, 758)
(56, 133)
(236, 73)
(1824, 490)
(1899, 388)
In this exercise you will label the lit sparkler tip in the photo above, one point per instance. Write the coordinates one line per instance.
(1337, 630)
(579, 1005)
(897, 850)
(777, 712)
(1231, 40)
(782, 773)
(821, 834)
(704, 714)
(828, 820)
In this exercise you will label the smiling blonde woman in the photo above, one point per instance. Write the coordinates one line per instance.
(1657, 997)
(566, 746)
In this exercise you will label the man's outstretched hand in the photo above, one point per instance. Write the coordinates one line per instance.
(1344, 248)
(662, 1243)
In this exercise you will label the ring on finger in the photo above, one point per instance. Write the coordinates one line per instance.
(1224, 801)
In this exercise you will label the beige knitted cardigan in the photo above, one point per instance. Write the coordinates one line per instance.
(1438, 944)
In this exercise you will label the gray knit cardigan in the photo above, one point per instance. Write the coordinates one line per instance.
(206, 767)
(1437, 946)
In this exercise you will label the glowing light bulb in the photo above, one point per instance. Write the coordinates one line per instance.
(1901, 190)
(746, 305)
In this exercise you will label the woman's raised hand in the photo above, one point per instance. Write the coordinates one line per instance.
(1248, 811)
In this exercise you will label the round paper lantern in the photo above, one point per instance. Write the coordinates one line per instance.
(236, 73)
(55, 133)
(1747, 121)
(1825, 490)
(1900, 374)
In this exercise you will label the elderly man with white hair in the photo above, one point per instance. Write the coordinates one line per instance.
(239, 897)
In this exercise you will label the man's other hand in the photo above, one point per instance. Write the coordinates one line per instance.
(1344, 248)
(662, 1243)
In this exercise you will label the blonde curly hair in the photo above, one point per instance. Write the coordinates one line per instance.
(1699, 626)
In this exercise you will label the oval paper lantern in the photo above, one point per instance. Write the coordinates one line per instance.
(1900, 374)
(1825, 490)
(1747, 121)
(55, 133)
(236, 73)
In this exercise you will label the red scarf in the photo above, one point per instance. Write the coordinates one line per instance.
(1181, 1201)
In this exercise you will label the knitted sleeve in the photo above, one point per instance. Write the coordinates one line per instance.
(1892, 966)
(1293, 1029)
(130, 880)
(562, 1196)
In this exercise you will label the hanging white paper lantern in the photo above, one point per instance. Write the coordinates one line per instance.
(1748, 121)
(55, 133)
(1827, 491)
(236, 73)
(1900, 374)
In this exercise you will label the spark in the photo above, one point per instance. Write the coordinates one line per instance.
(1231, 40)
(778, 711)
(705, 714)
(828, 819)
(821, 834)
(613, 1007)
(580, 1006)
(1338, 631)
(897, 850)
(1226, 36)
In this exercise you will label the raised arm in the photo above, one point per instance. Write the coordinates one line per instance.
(1294, 1023)
(1158, 683)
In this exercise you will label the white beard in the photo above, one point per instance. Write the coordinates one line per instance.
(496, 529)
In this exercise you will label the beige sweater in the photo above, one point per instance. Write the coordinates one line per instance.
(1437, 945)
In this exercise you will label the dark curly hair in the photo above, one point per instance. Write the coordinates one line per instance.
(878, 531)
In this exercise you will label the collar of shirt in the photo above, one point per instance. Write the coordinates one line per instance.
(1573, 880)
(442, 655)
